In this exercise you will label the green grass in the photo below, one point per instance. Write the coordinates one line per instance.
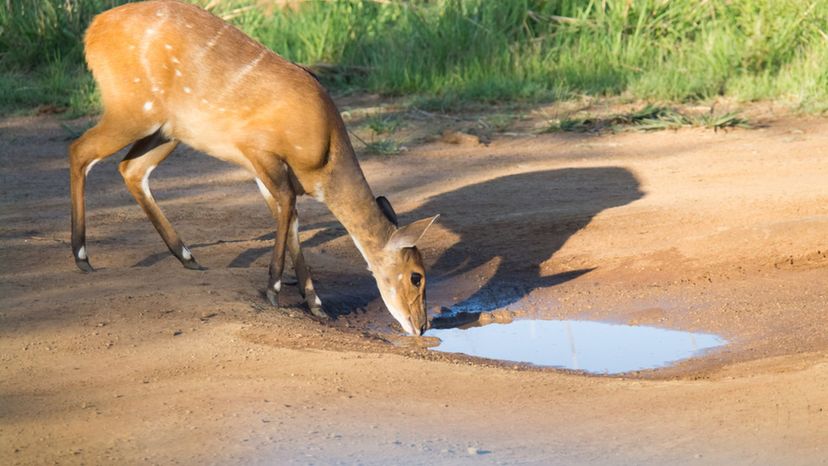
(448, 54)
(649, 118)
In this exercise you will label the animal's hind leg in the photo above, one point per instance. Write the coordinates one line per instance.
(302, 270)
(136, 168)
(98, 143)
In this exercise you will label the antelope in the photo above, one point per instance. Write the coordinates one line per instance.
(171, 72)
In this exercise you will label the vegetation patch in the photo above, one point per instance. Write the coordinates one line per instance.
(460, 53)
(649, 118)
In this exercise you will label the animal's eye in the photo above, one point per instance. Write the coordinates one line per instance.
(416, 278)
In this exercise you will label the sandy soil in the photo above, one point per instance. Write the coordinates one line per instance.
(145, 361)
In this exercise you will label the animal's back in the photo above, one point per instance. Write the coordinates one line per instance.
(198, 78)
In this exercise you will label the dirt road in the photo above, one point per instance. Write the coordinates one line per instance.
(144, 361)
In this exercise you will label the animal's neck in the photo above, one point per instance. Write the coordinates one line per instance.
(350, 199)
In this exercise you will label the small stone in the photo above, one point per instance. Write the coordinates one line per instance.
(473, 451)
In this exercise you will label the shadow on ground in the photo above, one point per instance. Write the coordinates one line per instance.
(515, 222)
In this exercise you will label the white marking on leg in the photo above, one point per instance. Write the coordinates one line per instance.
(145, 183)
(278, 286)
(317, 301)
(185, 253)
(89, 167)
(148, 106)
(294, 228)
(263, 189)
(318, 192)
(82, 253)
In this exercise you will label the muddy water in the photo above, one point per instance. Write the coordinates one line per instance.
(594, 347)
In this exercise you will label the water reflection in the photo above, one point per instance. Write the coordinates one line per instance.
(573, 344)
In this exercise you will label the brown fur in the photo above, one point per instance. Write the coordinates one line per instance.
(168, 72)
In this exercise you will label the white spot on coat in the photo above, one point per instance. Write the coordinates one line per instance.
(148, 106)
(178, 72)
(187, 90)
(175, 60)
(136, 80)
(168, 46)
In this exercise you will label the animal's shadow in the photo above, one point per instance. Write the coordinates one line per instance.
(521, 220)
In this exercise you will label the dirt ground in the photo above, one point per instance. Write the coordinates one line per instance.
(146, 362)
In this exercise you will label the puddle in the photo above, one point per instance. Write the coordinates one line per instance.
(595, 347)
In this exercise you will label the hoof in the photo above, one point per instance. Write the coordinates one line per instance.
(84, 265)
(192, 265)
(317, 311)
(315, 306)
(273, 297)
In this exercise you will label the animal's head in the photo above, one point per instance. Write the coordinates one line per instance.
(400, 274)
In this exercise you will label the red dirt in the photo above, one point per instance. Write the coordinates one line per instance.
(144, 361)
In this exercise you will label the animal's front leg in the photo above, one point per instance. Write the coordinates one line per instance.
(281, 200)
(303, 273)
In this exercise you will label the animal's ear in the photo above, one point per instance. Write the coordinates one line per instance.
(407, 236)
(387, 210)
